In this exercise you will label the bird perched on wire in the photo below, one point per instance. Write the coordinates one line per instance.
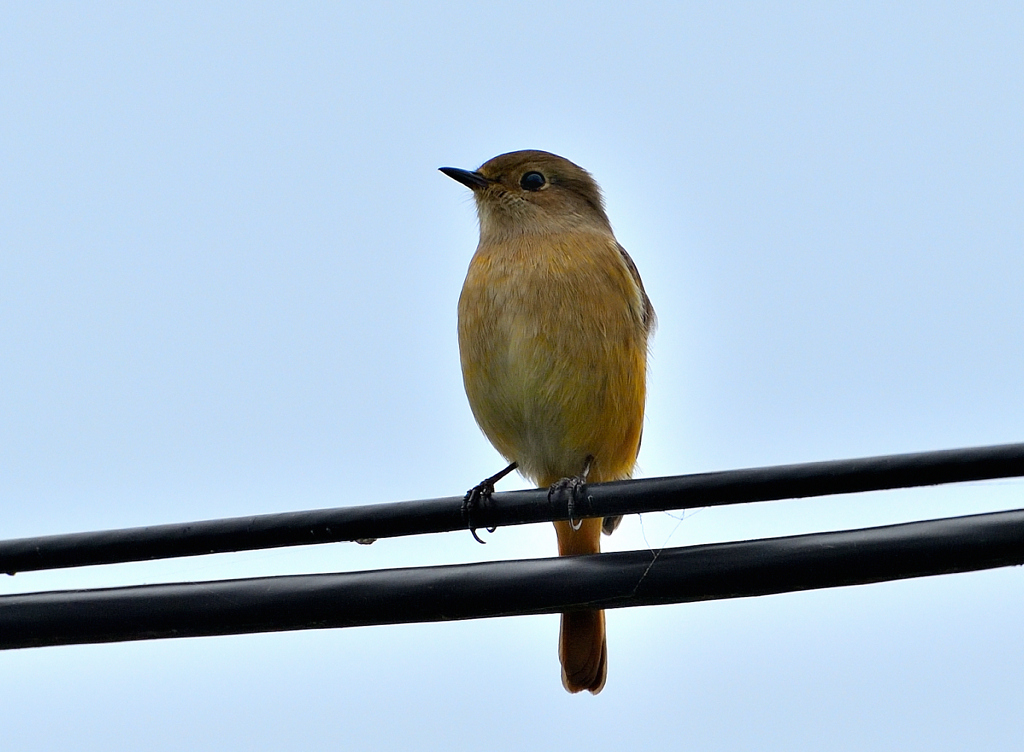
(553, 331)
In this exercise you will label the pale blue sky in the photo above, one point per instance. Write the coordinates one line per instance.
(228, 276)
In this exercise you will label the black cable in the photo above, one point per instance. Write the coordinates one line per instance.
(504, 588)
(510, 508)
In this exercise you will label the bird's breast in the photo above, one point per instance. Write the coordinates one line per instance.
(554, 353)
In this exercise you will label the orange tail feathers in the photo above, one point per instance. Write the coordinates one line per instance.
(583, 651)
(582, 648)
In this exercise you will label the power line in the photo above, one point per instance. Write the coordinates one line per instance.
(510, 508)
(505, 588)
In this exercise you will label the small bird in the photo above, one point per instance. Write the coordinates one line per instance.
(553, 333)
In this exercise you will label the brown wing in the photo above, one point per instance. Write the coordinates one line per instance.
(647, 316)
(649, 320)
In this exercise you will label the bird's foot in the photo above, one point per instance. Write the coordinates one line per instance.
(575, 489)
(471, 502)
(479, 494)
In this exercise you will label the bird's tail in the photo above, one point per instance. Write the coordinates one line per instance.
(582, 648)
(583, 651)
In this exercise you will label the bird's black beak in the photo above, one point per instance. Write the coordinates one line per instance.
(473, 180)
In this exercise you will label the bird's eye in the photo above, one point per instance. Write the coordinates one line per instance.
(532, 181)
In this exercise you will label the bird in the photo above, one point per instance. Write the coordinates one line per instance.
(553, 330)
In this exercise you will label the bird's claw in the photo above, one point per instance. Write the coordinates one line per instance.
(575, 489)
(471, 503)
(480, 493)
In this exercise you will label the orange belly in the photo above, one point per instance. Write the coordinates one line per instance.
(554, 356)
